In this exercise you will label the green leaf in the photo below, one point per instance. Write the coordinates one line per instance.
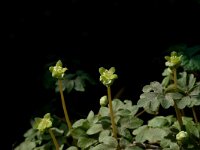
(110, 141)
(104, 111)
(105, 121)
(183, 80)
(149, 102)
(167, 144)
(72, 148)
(171, 119)
(154, 105)
(57, 131)
(146, 88)
(139, 129)
(37, 122)
(123, 142)
(125, 133)
(85, 142)
(165, 101)
(140, 133)
(192, 129)
(158, 121)
(26, 145)
(102, 147)
(195, 91)
(175, 95)
(123, 112)
(130, 122)
(185, 101)
(78, 132)
(154, 135)
(185, 121)
(192, 81)
(142, 102)
(66, 85)
(94, 129)
(166, 81)
(151, 135)
(79, 84)
(156, 86)
(194, 102)
(81, 123)
(133, 108)
(30, 132)
(78, 123)
(90, 116)
(104, 134)
(117, 105)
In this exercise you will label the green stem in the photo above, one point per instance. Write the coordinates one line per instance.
(64, 105)
(177, 110)
(182, 112)
(194, 114)
(140, 113)
(111, 113)
(54, 139)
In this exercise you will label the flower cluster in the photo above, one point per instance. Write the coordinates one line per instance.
(173, 60)
(58, 71)
(43, 123)
(107, 76)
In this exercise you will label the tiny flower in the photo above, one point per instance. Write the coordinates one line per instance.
(107, 76)
(58, 71)
(104, 100)
(43, 123)
(181, 136)
(173, 60)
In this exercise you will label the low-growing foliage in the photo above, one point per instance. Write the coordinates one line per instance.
(118, 125)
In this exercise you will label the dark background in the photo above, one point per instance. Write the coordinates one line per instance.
(132, 36)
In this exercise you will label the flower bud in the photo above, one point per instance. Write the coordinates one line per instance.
(181, 135)
(103, 100)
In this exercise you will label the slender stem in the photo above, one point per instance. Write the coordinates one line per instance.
(182, 112)
(111, 113)
(177, 110)
(175, 78)
(119, 93)
(140, 113)
(64, 105)
(194, 114)
(54, 139)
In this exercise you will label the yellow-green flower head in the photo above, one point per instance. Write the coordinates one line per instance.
(58, 71)
(181, 136)
(173, 60)
(107, 76)
(43, 123)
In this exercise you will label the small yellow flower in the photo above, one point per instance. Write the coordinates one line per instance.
(107, 76)
(43, 123)
(58, 71)
(173, 60)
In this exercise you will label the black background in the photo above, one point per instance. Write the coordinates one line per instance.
(132, 36)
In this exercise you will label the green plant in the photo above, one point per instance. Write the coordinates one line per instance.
(58, 72)
(119, 125)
